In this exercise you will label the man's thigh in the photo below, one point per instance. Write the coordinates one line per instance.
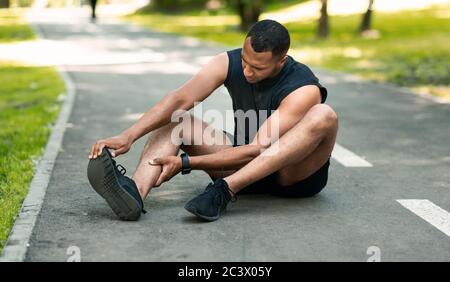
(302, 179)
(201, 138)
(303, 169)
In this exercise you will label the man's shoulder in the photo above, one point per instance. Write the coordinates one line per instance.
(238, 50)
(299, 70)
(296, 76)
(234, 52)
(299, 65)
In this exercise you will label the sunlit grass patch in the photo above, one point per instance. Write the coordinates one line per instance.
(28, 107)
(13, 27)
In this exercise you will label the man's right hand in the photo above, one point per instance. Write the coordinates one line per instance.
(120, 145)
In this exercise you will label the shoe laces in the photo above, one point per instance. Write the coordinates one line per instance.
(233, 197)
(120, 168)
(225, 192)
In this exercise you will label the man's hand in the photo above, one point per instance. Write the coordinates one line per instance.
(120, 145)
(170, 167)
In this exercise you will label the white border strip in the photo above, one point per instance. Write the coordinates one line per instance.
(429, 212)
(18, 241)
(347, 158)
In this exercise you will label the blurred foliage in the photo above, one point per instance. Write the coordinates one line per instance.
(408, 48)
(273, 5)
(248, 10)
(422, 68)
(12, 27)
(177, 5)
(57, 3)
(15, 3)
(192, 7)
(21, 3)
(5, 3)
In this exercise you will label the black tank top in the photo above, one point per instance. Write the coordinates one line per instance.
(263, 96)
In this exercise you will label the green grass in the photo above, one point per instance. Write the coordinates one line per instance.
(28, 106)
(278, 5)
(268, 6)
(220, 28)
(411, 50)
(12, 26)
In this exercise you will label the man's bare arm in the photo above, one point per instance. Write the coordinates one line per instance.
(198, 88)
(291, 111)
(231, 158)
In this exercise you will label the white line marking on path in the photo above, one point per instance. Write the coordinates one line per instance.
(347, 158)
(429, 212)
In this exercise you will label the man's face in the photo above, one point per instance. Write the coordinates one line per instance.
(259, 66)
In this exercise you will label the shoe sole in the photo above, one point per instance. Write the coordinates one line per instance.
(193, 210)
(103, 179)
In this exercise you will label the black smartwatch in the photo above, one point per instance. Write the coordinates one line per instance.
(185, 166)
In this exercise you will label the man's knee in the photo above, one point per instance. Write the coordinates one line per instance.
(182, 131)
(322, 117)
(161, 131)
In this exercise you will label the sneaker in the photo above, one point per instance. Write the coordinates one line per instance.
(212, 202)
(120, 192)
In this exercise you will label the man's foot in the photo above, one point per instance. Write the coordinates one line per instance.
(119, 191)
(212, 202)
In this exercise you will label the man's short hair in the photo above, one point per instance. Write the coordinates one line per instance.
(269, 35)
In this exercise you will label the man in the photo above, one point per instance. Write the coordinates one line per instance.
(93, 4)
(291, 162)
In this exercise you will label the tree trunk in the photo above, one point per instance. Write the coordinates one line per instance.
(4, 3)
(249, 12)
(323, 29)
(367, 18)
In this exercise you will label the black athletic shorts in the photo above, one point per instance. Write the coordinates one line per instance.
(307, 187)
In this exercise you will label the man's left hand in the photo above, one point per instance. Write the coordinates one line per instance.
(171, 166)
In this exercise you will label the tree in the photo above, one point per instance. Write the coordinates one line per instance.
(177, 5)
(4, 3)
(249, 12)
(367, 18)
(323, 28)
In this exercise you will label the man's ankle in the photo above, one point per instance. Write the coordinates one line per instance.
(142, 192)
(231, 193)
